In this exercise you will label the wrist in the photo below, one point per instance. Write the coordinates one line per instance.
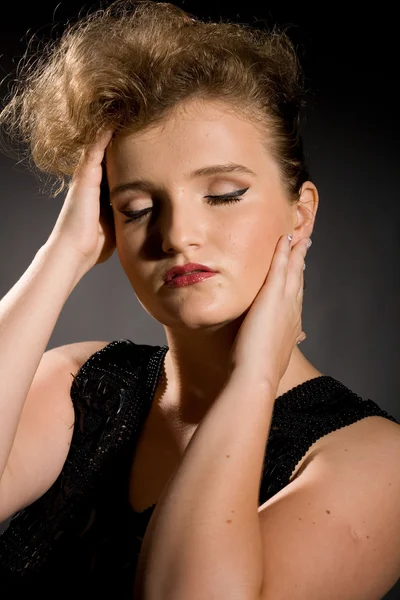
(72, 264)
(248, 375)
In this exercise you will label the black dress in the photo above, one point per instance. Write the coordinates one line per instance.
(81, 539)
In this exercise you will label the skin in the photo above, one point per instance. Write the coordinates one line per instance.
(236, 239)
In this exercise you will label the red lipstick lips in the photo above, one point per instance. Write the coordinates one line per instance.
(177, 272)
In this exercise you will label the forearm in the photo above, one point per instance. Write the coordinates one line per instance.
(28, 315)
(203, 541)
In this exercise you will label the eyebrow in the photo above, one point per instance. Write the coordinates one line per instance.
(145, 184)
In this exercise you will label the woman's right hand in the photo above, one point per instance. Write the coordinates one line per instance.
(82, 227)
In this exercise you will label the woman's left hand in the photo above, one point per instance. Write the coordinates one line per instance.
(273, 325)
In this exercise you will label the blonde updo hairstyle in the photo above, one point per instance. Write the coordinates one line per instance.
(127, 66)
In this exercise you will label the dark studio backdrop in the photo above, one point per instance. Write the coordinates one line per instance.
(351, 302)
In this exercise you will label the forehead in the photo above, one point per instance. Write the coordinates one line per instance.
(194, 119)
(195, 134)
(193, 112)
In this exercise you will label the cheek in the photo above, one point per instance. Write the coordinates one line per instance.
(128, 257)
(253, 242)
(123, 249)
(129, 242)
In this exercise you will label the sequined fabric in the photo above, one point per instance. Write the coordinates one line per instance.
(82, 537)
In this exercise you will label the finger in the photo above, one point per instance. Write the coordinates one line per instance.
(94, 153)
(279, 265)
(301, 338)
(295, 275)
(89, 166)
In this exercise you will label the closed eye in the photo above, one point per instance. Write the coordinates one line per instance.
(136, 215)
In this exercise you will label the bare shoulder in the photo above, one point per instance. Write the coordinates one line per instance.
(370, 445)
(377, 435)
(339, 520)
(45, 428)
(79, 352)
(382, 437)
(375, 432)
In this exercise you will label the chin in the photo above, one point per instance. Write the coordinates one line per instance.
(194, 317)
(192, 311)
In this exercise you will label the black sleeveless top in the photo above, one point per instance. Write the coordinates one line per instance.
(82, 538)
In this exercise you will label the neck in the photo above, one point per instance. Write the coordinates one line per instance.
(196, 368)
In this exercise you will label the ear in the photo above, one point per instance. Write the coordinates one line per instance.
(305, 210)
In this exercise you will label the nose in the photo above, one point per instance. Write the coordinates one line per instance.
(181, 226)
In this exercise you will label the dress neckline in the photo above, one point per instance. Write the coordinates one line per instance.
(303, 395)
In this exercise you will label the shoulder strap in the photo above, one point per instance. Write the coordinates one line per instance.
(300, 418)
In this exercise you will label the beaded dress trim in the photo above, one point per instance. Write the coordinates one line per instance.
(83, 525)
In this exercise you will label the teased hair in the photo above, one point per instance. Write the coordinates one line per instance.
(128, 66)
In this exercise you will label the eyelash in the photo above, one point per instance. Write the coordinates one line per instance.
(136, 215)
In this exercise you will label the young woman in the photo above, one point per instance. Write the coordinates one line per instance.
(223, 464)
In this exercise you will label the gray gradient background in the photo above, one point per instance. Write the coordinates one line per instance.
(351, 304)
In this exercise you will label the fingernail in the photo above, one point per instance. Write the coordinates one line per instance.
(290, 237)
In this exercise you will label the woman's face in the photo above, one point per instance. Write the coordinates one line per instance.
(182, 225)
